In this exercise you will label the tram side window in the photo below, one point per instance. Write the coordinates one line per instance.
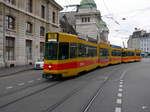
(113, 53)
(124, 54)
(73, 50)
(104, 52)
(92, 51)
(89, 51)
(116, 53)
(107, 52)
(138, 54)
(131, 54)
(119, 53)
(82, 50)
(128, 54)
(63, 51)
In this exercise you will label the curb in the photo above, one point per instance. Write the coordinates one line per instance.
(8, 74)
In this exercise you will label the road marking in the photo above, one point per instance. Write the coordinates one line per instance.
(20, 84)
(119, 94)
(119, 101)
(120, 90)
(92, 100)
(38, 79)
(117, 109)
(123, 74)
(9, 87)
(14, 75)
(121, 82)
(31, 81)
(120, 86)
(144, 107)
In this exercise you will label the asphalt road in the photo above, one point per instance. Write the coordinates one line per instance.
(118, 88)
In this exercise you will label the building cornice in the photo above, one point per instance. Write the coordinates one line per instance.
(27, 13)
(88, 13)
(56, 4)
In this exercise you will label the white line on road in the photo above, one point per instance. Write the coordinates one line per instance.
(20, 84)
(144, 107)
(118, 109)
(121, 82)
(123, 74)
(9, 87)
(119, 101)
(38, 79)
(120, 90)
(120, 86)
(31, 81)
(119, 94)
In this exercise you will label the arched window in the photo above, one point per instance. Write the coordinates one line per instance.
(10, 22)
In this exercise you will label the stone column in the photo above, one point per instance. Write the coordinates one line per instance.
(20, 40)
(1, 35)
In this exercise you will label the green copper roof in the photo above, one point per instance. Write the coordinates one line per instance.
(88, 4)
(103, 25)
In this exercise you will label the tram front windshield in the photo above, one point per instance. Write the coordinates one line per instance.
(51, 50)
(52, 53)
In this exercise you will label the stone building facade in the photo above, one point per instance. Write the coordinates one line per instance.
(140, 39)
(23, 24)
(89, 21)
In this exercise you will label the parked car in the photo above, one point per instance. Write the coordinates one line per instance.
(39, 64)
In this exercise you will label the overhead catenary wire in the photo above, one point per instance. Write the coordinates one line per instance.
(128, 12)
(110, 13)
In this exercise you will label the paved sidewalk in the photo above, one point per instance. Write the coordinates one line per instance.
(13, 70)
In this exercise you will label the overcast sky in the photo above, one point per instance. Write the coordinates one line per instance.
(135, 12)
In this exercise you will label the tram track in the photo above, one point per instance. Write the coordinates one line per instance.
(22, 89)
(76, 90)
(85, 77)
(14, 73)
(31, 94)
(87, 106)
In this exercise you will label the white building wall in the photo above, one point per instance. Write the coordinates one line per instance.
(87, 10)
(93, 28)
(87, 30)
(145, 44)
(142, 43)
(134, 43)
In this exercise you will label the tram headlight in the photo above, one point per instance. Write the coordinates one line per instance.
(49, 67)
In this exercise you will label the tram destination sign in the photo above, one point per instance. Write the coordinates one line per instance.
(51, 37)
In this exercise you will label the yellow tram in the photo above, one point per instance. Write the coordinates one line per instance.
(115, 55)
(137, 55)
(128, 55)
(67, 55)
(103, 54)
